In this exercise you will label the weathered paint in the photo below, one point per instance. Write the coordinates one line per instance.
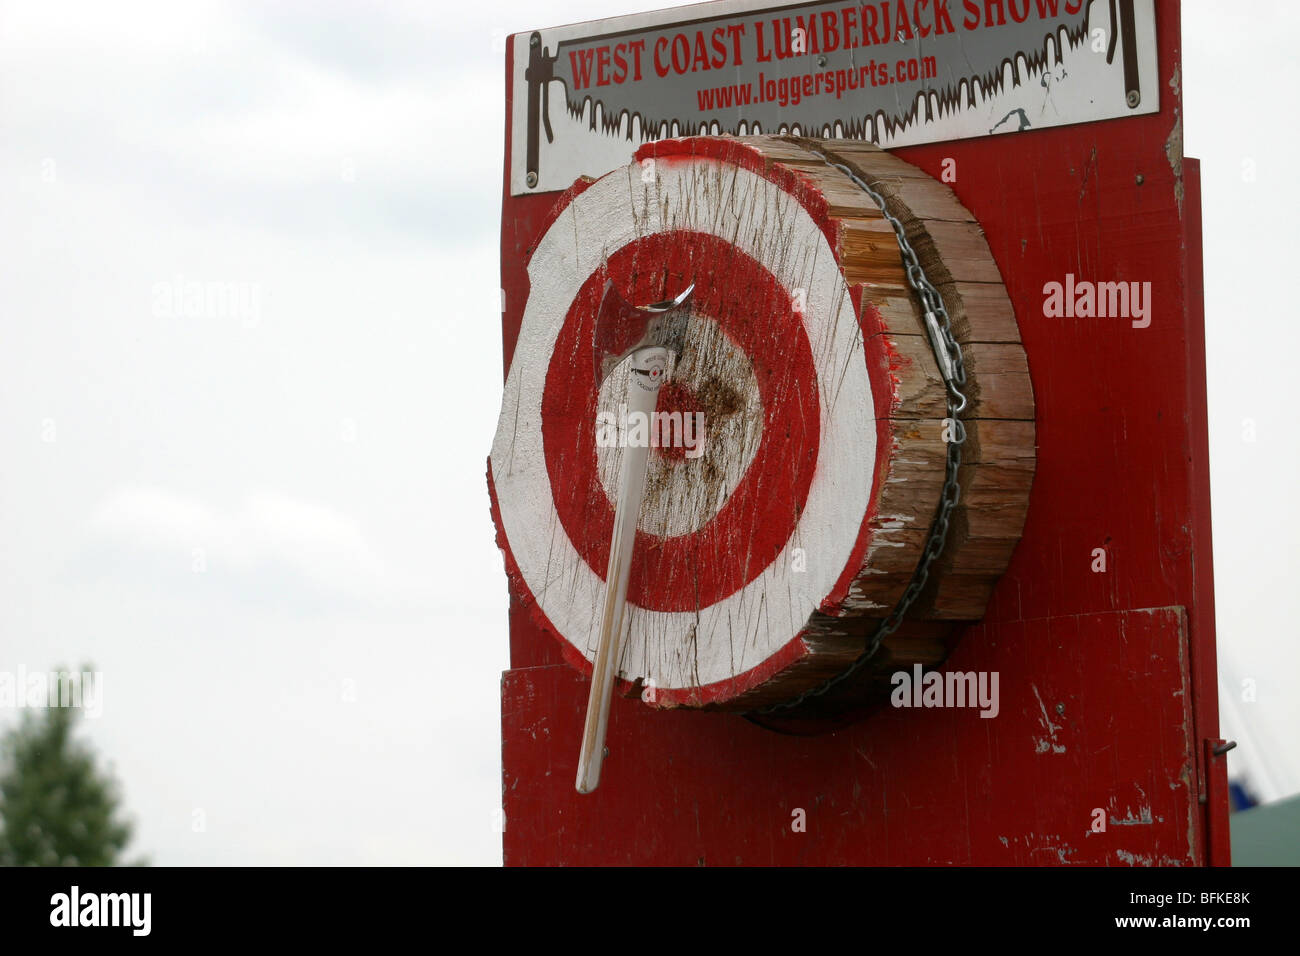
(917, 786)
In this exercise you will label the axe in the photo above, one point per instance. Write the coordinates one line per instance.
(650, 335)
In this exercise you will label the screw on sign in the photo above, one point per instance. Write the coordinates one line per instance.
(811, 357)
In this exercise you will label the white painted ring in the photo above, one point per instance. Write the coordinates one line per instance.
(682, 649)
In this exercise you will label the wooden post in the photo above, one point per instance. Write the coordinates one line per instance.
(1078, 572)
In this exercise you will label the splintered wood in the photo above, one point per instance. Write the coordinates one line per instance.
(798, 452)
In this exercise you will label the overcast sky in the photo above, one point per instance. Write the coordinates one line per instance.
(265, 519)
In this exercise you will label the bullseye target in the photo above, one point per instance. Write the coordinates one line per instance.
(772, 443)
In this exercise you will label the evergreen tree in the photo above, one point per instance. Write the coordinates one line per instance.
(56, 807)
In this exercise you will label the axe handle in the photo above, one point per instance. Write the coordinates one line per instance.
(627, 509)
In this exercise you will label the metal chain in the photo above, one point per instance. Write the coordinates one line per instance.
(947, 354)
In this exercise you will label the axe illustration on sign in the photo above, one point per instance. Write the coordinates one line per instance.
(538, 74)
(651, 336)
(640, 77)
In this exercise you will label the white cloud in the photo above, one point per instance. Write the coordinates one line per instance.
(268, 536)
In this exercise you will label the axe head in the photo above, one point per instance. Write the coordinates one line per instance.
(623, 328)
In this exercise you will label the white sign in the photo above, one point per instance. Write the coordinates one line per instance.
(894, 72)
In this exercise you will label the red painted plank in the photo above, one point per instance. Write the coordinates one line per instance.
(1095, 715)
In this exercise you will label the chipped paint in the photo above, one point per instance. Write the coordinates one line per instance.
(1146, 859)
(1043, 744)
(1143, 818)
(1174, 144)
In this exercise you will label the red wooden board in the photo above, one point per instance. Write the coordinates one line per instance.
(907, 787)
(1122, 465)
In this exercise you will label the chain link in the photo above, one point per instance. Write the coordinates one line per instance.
(948, 357)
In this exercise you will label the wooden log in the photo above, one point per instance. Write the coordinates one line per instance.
(809, 359)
